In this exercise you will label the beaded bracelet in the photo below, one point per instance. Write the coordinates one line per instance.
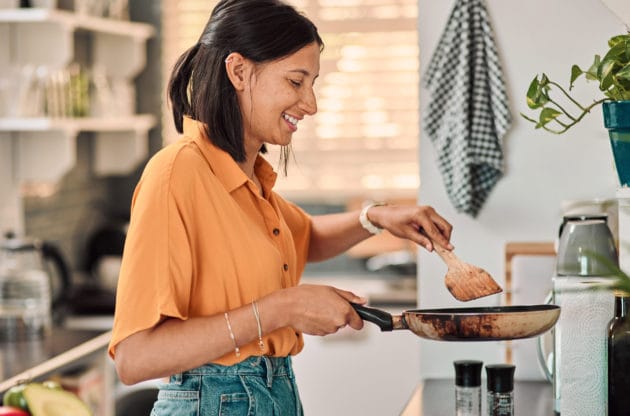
(261, 344)
(237, 350)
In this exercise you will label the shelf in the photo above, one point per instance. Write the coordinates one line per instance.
(46, 147)
(78, 22)
(47, 37)
(140, 123)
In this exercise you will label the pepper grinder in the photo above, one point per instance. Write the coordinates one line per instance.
(500, 386)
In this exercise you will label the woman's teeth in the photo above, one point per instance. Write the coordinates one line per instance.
(290, 119)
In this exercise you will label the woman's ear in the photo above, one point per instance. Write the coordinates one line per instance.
(237, 67)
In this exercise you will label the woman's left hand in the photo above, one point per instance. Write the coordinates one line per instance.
(421, 224)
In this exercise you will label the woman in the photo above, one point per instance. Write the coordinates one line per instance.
(208, 292)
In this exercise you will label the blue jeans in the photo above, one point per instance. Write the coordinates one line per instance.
(258, 386)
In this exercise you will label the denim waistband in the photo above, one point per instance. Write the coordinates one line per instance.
(263, 366)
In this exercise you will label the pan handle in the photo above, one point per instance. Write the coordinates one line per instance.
(381, 318)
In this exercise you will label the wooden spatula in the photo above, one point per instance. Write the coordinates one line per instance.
(465, 281)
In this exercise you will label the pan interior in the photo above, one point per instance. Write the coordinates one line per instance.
(486, 310)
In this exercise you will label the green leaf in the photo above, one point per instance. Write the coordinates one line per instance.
(616, 53)
(547, 115)
(606, 72)
(575, 74)
(544, 80)
(619, 280)
(537, 94)
(624, 73)
(618, 39)
(622, 82)
(591, 73)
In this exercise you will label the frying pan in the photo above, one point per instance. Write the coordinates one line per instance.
(468, 324)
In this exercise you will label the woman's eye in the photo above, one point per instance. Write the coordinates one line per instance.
(295, 83)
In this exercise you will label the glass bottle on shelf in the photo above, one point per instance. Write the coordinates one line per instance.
(619, 357)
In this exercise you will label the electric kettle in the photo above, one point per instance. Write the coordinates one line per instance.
(29, 287)
(586, 246)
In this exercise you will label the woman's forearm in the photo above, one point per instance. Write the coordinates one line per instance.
(176, 345)
(333, 234)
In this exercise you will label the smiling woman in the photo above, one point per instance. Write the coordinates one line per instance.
(213, 255)
(367, 122)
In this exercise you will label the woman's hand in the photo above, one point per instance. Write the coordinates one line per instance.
(322, 310)
(420, 224)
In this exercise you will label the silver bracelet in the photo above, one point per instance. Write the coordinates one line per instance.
(261, 344)
(364, 220)
(237, 350)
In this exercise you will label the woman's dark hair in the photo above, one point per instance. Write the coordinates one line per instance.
(260, 30)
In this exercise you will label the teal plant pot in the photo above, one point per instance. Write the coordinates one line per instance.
(617, 121)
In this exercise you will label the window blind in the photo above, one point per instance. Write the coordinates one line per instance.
(363, 140)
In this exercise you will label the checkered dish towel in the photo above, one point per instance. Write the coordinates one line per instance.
(468, 112)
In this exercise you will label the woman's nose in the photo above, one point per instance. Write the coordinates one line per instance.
(309, 102)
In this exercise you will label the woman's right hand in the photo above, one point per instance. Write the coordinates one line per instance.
(322, 310)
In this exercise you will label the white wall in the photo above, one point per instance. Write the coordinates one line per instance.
(10, 204)
(542, 169)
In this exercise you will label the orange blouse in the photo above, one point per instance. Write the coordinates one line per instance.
(202, 240)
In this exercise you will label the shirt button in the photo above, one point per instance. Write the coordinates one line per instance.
(285, 267)
(276, 231)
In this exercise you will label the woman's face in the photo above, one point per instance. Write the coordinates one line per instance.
(279, 94)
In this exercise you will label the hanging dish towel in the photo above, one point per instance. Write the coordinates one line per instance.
(468, 112)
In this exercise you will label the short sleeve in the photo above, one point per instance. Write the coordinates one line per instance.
(156, 271)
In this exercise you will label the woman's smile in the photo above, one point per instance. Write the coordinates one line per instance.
(291, 121)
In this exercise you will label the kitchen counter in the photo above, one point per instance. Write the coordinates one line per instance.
(63, 348)
(437, 398)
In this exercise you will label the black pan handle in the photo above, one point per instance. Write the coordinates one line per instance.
(381, 318)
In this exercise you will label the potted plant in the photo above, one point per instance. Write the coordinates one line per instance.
(558, 110)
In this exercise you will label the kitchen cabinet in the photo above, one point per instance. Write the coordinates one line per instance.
(366, 372)
(63, 74)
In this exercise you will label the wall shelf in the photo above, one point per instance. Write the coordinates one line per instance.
(40, 49)
(73, 22)
(140, 123)
(46, 147)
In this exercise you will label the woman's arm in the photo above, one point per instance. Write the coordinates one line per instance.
(175, 345)
(333, 234)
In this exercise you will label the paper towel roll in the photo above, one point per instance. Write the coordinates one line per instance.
(580, 377)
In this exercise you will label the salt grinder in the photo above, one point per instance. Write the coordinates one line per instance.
(468, 387)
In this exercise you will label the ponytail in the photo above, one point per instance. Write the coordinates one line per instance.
(199, 88)
(178, 87)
